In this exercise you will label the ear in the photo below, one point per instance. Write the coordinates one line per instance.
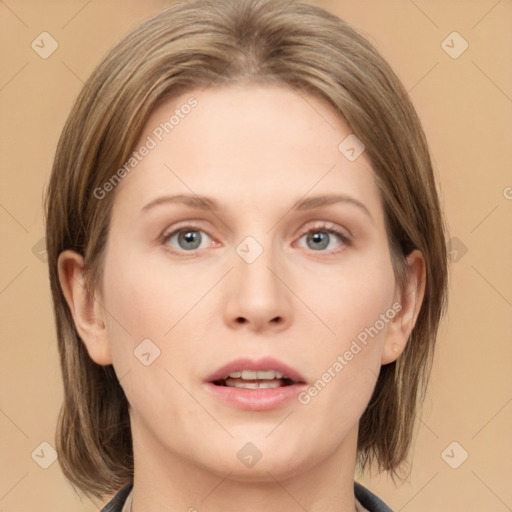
(88, 314)
(410, 300)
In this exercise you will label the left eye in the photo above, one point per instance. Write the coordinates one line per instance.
(322, 239)
(188, 239)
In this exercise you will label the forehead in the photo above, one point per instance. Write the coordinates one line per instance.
(258, 143)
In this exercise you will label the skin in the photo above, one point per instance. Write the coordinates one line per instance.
(256, 150)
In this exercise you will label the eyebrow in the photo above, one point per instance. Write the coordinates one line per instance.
(194, 201)
(207, 203)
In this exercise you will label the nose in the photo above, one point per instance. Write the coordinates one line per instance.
(257, 298)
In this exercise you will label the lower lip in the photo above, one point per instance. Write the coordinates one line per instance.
(255, 399)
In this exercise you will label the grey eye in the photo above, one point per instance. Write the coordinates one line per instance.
(317, 240)
(188, 239)
(320, 239)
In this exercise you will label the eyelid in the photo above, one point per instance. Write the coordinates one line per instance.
(186, 224)
(328, 226)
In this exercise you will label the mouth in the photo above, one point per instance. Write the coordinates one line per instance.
(255, 385)
(255, 379)
(249, 373)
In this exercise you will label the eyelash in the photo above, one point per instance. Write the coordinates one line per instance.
(331, 229)
(323, 227)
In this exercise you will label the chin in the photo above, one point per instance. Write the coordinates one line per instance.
(261, 460)
(268, 470)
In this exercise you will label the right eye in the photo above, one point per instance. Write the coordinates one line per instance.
(188, 239)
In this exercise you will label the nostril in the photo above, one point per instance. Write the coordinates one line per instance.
(276, 320)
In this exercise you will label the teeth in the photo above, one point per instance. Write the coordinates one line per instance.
(270, 384)
(253, 385)
(256, 375)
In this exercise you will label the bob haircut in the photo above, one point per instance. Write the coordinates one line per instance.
(215, 44)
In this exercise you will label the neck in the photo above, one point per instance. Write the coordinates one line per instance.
(165, 481)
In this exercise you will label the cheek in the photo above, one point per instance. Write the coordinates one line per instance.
(149, 294)
(357, 304)
(352, 297)
(144, 300)
(147, 306)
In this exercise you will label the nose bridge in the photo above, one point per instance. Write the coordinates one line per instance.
(253, 269)
(255, 275)
(256, 294)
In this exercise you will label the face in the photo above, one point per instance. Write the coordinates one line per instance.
(246, 241)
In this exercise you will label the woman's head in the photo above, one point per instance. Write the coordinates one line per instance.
(264, 107)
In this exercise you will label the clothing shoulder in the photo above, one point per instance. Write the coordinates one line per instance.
(117, 502)
(368, 500)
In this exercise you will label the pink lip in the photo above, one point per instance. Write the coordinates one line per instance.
(245, 363)
(255, 399)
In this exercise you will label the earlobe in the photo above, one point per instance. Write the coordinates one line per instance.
(88, 315)
(410, 300)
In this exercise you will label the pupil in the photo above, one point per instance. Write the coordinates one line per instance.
(320, 239)
(190, 239)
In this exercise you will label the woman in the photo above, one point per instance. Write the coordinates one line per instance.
(247, 262)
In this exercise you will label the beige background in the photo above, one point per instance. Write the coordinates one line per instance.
(466, 106)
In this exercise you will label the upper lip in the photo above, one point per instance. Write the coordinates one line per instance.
(246, 363)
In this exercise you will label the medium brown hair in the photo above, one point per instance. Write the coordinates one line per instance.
(212, 44)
